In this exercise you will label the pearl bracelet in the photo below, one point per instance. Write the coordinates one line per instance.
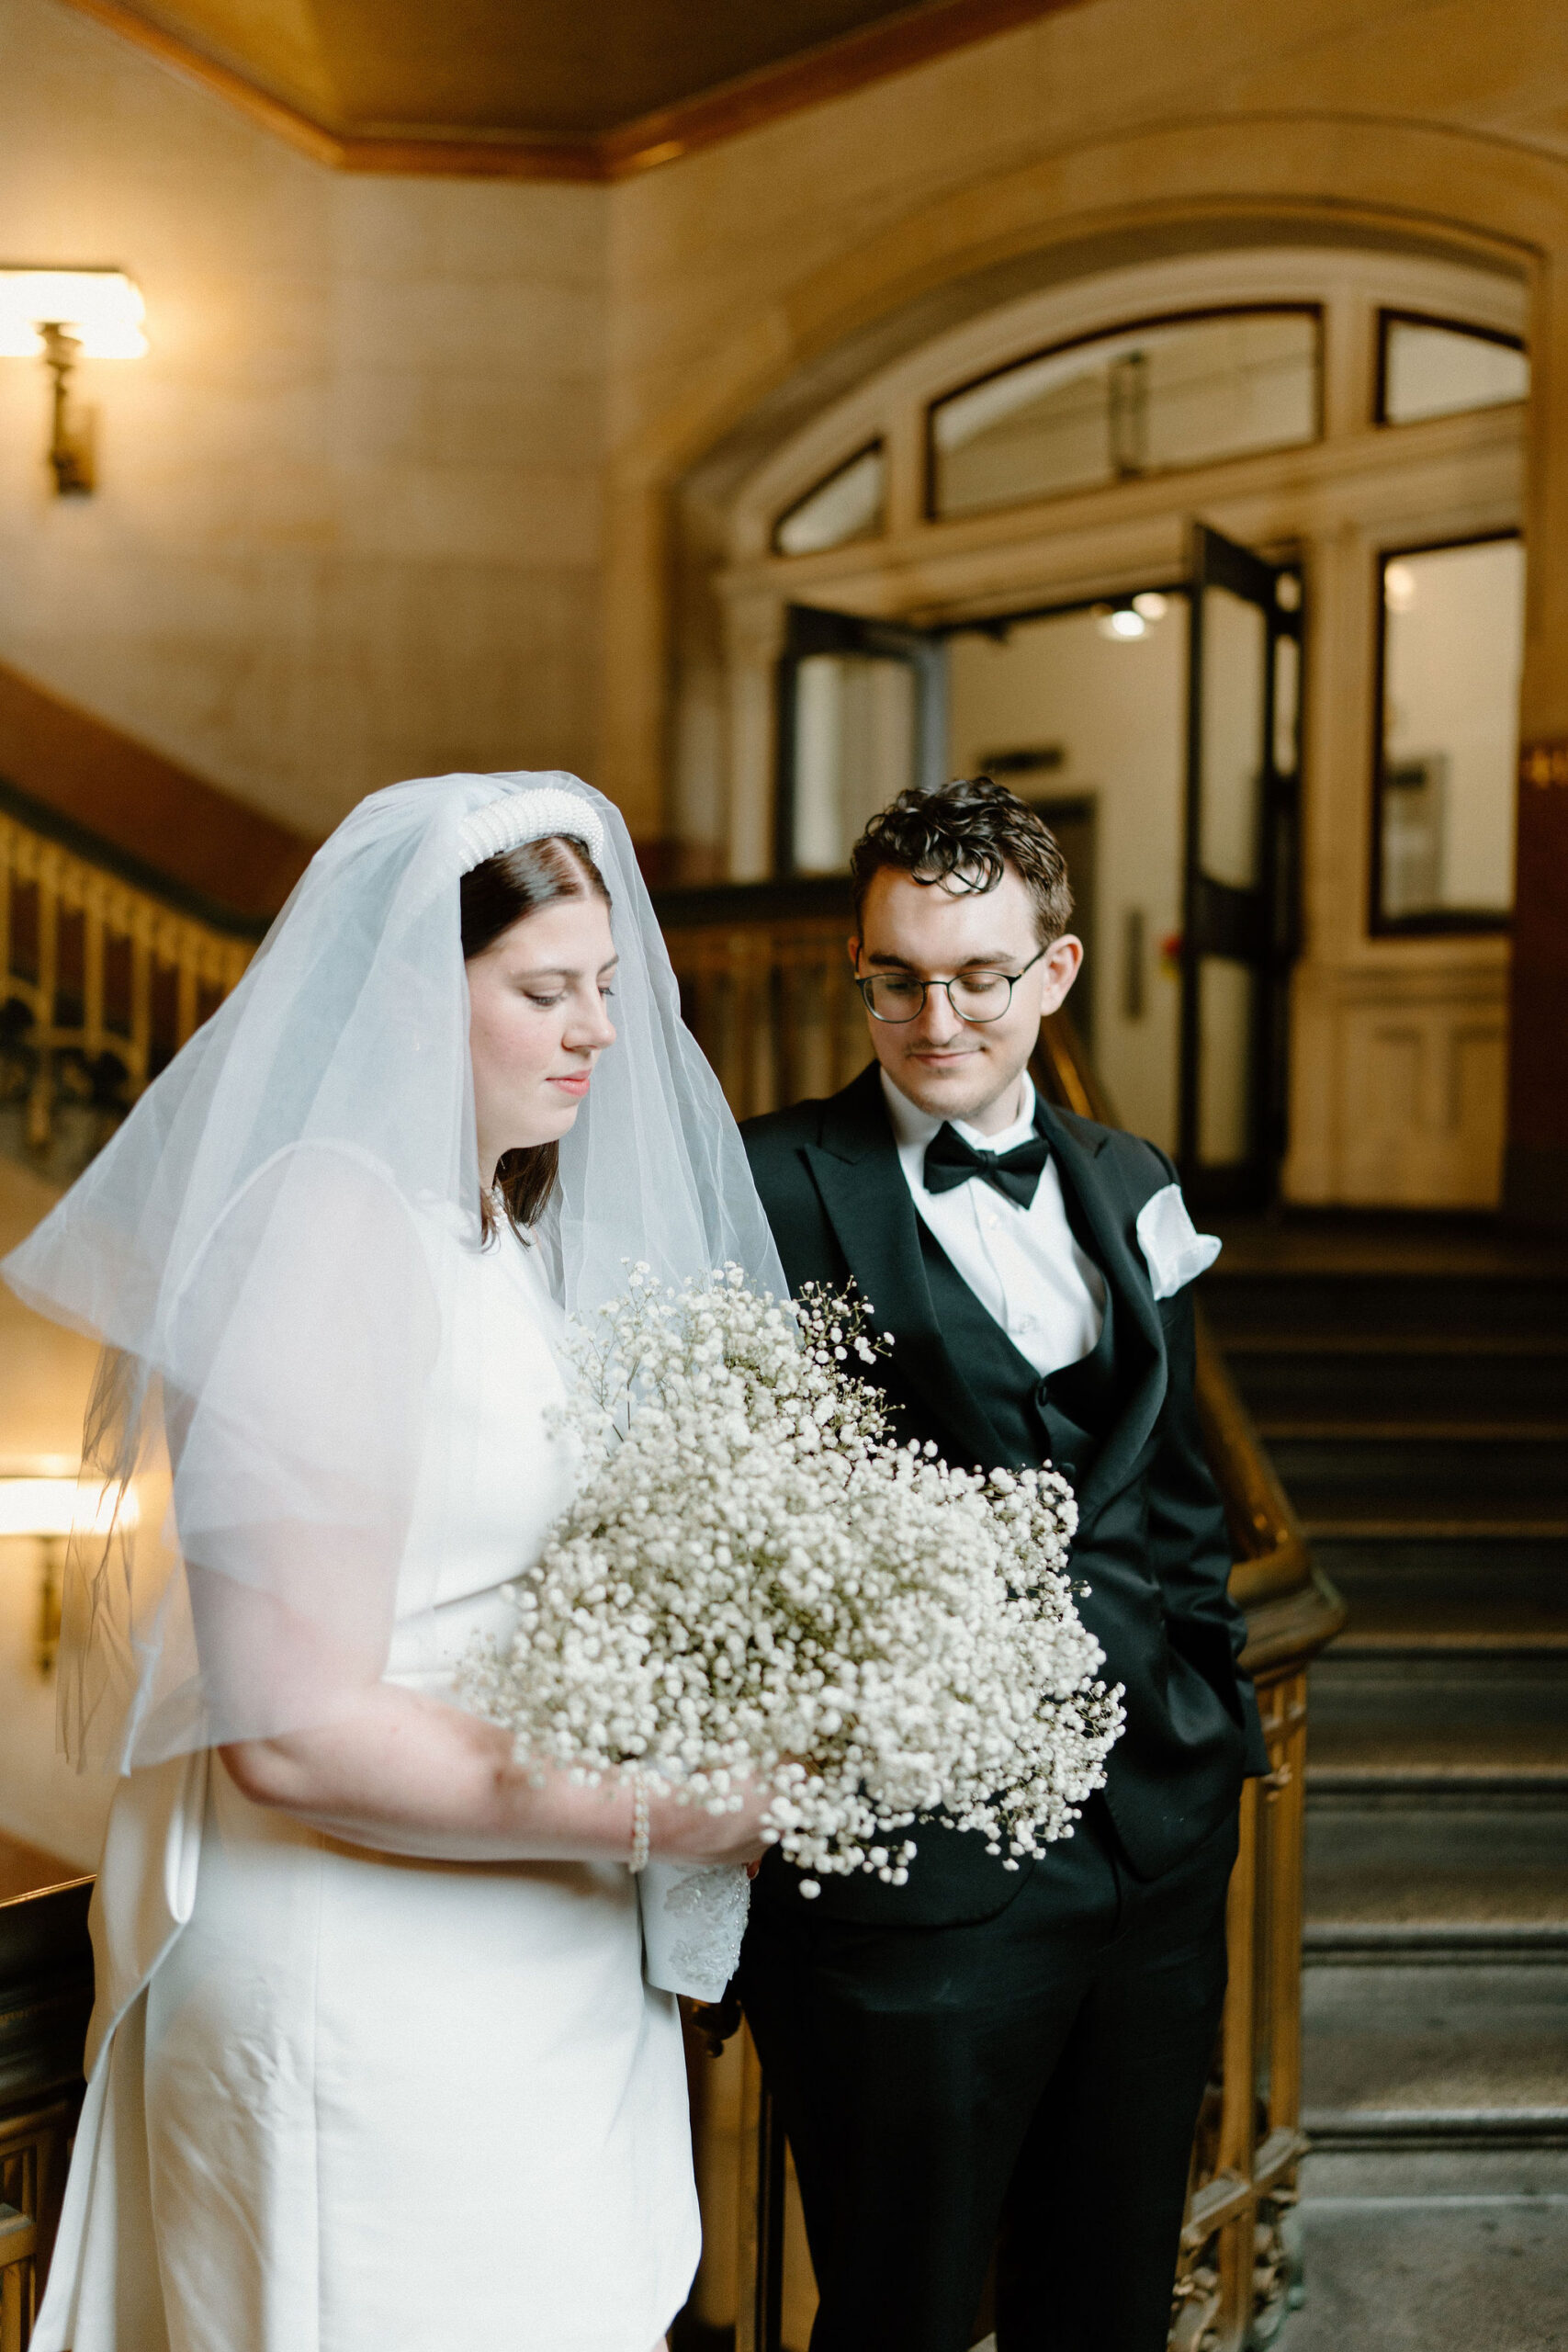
(640, 1827)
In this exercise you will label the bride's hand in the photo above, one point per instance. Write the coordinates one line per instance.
(685, 1833)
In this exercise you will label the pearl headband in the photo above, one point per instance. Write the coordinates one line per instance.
(518, 817)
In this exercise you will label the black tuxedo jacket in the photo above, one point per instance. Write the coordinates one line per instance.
(1152, 1543)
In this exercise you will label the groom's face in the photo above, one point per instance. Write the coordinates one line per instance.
(952, 1067)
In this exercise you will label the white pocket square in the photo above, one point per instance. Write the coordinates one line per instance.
(1177, 1252)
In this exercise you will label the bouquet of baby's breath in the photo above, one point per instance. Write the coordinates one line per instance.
(757, 1582)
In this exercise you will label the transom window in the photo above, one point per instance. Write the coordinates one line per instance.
(1431, 368)
(1164, 394)
(846, 504)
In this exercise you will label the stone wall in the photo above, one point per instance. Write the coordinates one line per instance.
(348, 526)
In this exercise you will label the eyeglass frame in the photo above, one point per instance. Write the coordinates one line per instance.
(864, 981)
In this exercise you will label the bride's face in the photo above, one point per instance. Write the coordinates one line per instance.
(539, 1022)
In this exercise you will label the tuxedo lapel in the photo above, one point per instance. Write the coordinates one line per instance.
(862, 1189)
(1139, 1335)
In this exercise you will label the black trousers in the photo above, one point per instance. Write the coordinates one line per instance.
(1029, 2083)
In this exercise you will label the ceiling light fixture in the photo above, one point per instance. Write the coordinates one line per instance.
(64, 315)
(1130, 617)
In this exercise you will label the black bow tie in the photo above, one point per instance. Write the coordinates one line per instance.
(950, 1160)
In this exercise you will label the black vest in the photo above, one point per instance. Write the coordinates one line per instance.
(1063, 1418)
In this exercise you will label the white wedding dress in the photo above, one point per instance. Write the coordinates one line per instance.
(342, 2102)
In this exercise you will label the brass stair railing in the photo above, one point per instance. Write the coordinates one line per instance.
(105, 970)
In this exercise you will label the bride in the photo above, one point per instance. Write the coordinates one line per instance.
(373, 2066)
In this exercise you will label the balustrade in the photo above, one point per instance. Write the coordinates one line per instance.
(106, 972)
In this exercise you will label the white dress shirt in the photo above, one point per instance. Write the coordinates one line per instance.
(1022, 1265)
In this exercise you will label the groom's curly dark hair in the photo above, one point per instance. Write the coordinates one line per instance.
(966, 834)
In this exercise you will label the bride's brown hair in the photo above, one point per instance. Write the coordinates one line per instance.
(493, 897)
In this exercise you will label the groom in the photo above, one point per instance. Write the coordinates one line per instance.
(991, 2057)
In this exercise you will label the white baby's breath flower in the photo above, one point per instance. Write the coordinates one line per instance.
(758, 1582)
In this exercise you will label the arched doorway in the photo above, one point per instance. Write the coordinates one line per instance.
(987, 551)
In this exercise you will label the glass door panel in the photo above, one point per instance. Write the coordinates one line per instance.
(854, 749)
(1238, 934)
(862, 716)
(1237, 650)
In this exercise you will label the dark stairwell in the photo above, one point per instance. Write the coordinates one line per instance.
(1410, 1378)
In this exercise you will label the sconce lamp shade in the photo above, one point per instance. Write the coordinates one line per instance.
(46, 1506)
(101, 308)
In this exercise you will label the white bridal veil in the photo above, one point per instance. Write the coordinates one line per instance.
(253, 1248)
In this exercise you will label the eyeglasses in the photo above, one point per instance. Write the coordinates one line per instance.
(974, 996)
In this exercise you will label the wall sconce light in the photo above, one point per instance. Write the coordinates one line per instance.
(42, 1504)
(64, 315)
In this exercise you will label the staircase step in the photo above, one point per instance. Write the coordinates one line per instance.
(1497, 1476)
(1452, 2178)
(1456, 1858)
(1410, 1524)
(1432, 2046)
(1401, 1784)
(1510, 1573)
(1487, 1437)
(1381, 1943)
(1428, 1757)
(1378, 2128)
(1480, 1631)
(1439, 1710)
(1244, 1308)
(1431, 2272)
(1313, 1378)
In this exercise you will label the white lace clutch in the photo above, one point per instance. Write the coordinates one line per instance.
(694, 1915)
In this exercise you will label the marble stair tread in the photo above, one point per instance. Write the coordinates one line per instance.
(1418, 1430)
(1439, 2037)
(1324, 1345)
(1439, 1710)
(1408, 1624)
(1344, 1902)
(1388, 1242)
(1406, 1520)
(1485, 1751)
(1410, 2273)
(1246, 1310)
(1485, 1579)
(1352, 1471)
(1467, 1860)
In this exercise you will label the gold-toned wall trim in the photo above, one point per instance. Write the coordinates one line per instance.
(830, 71)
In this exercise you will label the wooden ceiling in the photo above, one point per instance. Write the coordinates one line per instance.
(569, 89)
